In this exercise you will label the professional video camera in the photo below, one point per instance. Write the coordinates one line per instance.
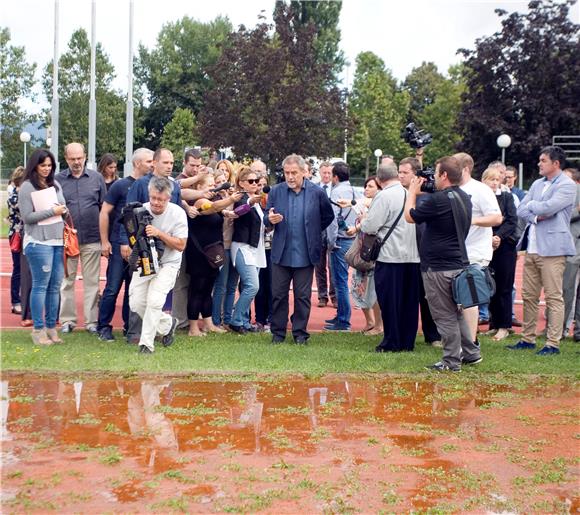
(415, 137)
(146, 251)
(429, 174)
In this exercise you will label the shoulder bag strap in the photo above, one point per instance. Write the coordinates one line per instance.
(455, 199)
(392, 228)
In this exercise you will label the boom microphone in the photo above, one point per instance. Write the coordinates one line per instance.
(352, 202)
(224, 186)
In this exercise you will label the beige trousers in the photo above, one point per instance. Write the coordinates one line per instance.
(543, 272)
(90, 258)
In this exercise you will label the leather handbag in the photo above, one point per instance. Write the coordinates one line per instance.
(474, 285)
(214, 252)
(371, 245)
(353, 257)
(71, 239)
(15, 242)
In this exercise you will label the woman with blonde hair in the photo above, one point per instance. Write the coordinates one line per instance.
(503, 263)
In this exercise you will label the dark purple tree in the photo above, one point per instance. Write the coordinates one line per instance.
(271, 95)
(524, 81)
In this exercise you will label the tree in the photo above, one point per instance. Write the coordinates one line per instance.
(274, 100)
(422, 84)
(378, 111)
(174, 73)
(74, 93)
(439, 117)
(180, 133)
(325, 16)
(523, 81)
(16, 83)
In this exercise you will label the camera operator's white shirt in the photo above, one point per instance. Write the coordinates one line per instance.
(173, 221)
(479, 240)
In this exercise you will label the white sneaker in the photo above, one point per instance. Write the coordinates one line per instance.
(67, 327)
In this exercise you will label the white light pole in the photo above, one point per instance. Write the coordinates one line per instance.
(54, 118)
(48, 141)
(25, 138)
(92, 161)
(503, 142)
(378, 153)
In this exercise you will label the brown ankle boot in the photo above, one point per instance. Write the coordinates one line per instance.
(39, 337)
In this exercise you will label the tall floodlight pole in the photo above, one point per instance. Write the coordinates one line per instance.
(345, 157)
(128, 168)
(92, 101)
(54, 114)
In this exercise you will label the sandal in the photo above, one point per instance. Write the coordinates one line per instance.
(367, 329)
(39, 337)
(501, 334)
(53, 335)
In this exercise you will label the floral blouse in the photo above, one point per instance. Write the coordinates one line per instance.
(13, 211)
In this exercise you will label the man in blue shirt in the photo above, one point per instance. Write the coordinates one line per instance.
(118, 271)
(298, 211)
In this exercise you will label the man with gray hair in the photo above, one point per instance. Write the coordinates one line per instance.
(397, 267)
(147, 294)
(118, 271)
(298, 211)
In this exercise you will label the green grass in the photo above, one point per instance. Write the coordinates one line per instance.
(4, 225)
(254, 354)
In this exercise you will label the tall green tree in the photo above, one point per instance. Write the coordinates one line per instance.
(174, 73)
(16, 83)
(439, 117)
(422, 84)
(74, 93)
(523, 81)
(180, 133)
(378, 110)
(274, 98)
(324, 15)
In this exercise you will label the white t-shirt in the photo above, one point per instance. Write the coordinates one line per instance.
(173, 221)
(478, 242)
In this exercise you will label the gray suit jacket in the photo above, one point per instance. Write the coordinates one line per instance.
(555, 206)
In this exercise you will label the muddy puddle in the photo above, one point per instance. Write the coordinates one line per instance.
(331, 445)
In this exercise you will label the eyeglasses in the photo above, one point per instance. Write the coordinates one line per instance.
(252, 181)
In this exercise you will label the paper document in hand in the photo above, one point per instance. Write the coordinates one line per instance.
(43, 200)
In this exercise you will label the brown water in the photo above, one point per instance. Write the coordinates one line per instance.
(336, 444)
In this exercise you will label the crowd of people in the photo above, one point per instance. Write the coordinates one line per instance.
(234, 247)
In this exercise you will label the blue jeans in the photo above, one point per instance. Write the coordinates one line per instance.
(219, 291)
(47, 270)
(117, 272)
(250, 285)
(231, 287)
(484, 311)
(339, 270)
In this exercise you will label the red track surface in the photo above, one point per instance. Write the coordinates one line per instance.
(318, 315)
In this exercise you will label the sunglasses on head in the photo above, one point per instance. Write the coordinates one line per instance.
(252, 181)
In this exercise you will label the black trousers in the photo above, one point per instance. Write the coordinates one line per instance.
(503, 264)
(428, 325)
(324, 282)
(199, 299)
(301, 279)
(397, 287)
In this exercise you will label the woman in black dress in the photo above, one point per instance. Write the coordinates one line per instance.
(503, 263)
(204, 229)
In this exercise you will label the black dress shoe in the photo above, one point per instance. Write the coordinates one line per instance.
(143, 349)
(301, 340)
(237, 329)
(278, 339)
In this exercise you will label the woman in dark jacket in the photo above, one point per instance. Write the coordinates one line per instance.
(503, 263)
(205, 229)
(248, 250)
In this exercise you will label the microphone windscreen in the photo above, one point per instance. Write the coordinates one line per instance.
(266, 189)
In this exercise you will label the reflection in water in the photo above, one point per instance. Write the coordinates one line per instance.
(394, 424)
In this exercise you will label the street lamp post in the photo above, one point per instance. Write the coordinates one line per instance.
(503, 142)
(378, 153)
(25, 138)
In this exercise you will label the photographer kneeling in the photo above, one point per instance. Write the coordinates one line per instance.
(147, 293)
(441, 259)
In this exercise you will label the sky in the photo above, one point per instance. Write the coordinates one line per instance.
(402, 33)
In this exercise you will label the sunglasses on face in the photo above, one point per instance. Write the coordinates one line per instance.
(252, 181)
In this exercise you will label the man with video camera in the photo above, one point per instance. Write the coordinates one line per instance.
(442, 260)
(147, 293)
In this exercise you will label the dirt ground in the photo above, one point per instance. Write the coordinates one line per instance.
(332, 445)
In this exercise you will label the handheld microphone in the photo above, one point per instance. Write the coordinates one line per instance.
(352, 202)
(266, 189)
(242, 209)
(224, 186)
(205, 205)
(264, 196)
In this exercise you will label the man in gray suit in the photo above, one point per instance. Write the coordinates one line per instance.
(547, 240)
